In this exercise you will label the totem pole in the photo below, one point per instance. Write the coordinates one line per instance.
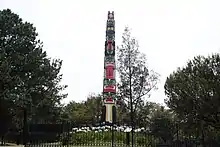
(109, 83)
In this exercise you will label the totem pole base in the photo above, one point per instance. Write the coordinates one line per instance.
(108, 115)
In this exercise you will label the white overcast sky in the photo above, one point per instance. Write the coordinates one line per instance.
(169, 32)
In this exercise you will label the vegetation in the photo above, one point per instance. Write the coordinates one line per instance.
(86, 111)
(136, 80)
(30, 93)
(193, 94)
(29, 79)
(105, 138)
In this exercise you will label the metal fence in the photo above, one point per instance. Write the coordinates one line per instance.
(70, 134)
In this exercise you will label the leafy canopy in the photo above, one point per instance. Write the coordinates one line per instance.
(193, 91)
(28, 78)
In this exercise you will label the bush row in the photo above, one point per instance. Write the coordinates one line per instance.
(80, 138)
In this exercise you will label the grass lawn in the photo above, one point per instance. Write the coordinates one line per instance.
(11, 145)
(87, 145)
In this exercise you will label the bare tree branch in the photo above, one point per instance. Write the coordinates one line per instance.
(135, 80)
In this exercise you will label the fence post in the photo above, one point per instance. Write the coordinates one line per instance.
(128, 138)
(25, 127)
(112, 134)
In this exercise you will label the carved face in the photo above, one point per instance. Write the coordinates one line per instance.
(110, 23)
(110, 28)
(110, 37)
(110, 59)
(109, 65)
(109, 82)
(109, 94)
(110, 16)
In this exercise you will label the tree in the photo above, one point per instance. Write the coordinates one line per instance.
(88, 111)
(94, 107)
(193, 92)
(136, 81)
(5, 119)
(145, 112)
(162, 124)
(28, 78)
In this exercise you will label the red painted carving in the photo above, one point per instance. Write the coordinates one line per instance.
(110, 88)
(109, 99)
(109, 46)
(109, 71)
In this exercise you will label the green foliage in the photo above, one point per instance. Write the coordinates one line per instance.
(193, 93)
(28, 78)
(87, 111)
(105, 138)
(144, 112)
(162, 125)
(5, 119)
